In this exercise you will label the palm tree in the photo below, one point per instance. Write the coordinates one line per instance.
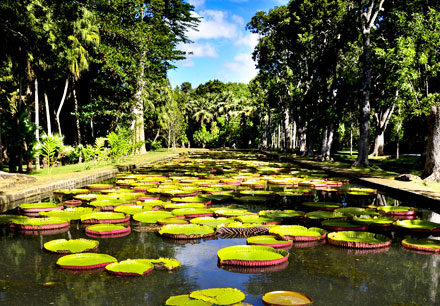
(85, 34)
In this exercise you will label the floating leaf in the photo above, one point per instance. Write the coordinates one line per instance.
(71, 246)
(352, 239)
(219, 296)
(251, 255)
(130, 267)
(185, 300)
(85, 261)
(286, 298)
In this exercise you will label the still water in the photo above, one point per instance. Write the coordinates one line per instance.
(330, 275)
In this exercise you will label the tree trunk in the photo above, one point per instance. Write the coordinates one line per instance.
(382, 118)
(431, 173)
(331, 133)
(78, 127)
(364, 119)
(310, 142)
(286, 129)
(351, 140)
(37, 122)
(367, 18)
(324, 141)
(49, 126)
(61, 106)
(302, 135)
(1, 144)
(138, 111)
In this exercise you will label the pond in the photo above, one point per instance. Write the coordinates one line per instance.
(329, 274)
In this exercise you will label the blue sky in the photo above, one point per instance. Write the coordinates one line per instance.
(222, 47)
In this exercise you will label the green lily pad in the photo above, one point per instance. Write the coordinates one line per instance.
(219, 296)
(422, 244)
(108, 230)
(269, 240)
(164, 263)
(356, 211)
(40, 206)
(398, 210)
(172, 206)
(192, 212)
(131, 209)
(84, 261)
(417, 225)
(5, 219)
(39, 223)
(258, 219)
(130, 267)
(251, 255)
(323, 205)
(281, 213)
(101, 217)
(352, 239)
(298, 232)
(374, 220)
(211, 221)
(322, 215)
(71, 246)
(185, 300)
(286, 298)
(186, 231)
(73, 213)
(151, 216)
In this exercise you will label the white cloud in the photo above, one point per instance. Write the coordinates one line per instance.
(238, 20)
(187, 63)
(242, 69)
(250, 40)
(213, 25)
(199, 50)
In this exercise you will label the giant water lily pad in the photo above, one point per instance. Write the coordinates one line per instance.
(186, 231)
(85, 261)
(48, 223)
(324, 215)
(420, 226)
(99, 187)
(162, 263)
(343, 225)
(258, 219)
(107, 230)
(219, 296)
(151, 216)
(185, 300)
(356, 211)
(380, 221)
(251, 256)
(214, 222)
(398, 210)
(71, 246)
(130, 267)
(298, 232)
(131, 209)
(327, 206)
(362, 240)
(422, 244)
(284, 214)
(171, 206)
(104, 217)
(72, 213)
(5, 219)
(286, 298)
(230, 212)
(37, 207)
(269, 240)
(172, 220)
(193, 212)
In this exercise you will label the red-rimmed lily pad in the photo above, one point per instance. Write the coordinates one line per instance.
(193, 212)
(131, 209)
(172, 220)
(258, 219)
(171, 206)
(422, 244)
(269, 240)
(197, 199)
(152, 216)
(130, 267)
(286, 298)
(104, 217)
(72, 203)
(398, 210)
(64, 246)
(343, 225)
(85, 261)
(417, 226)
(324, 215)
(71, 213)
(32, 224)
(162, 263)
(99, 187)
(187, 231)
(211, 221)
(219, 296)
(378, 221)
(251, 255)
(107, 230)
(298, 232)
(327, 206)
(284, 214)
(357, 211)
(361, 240)
(33, 209)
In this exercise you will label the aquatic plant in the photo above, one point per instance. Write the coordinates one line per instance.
(71, 246)
(286, 298)
(85, 261)
(350, 239)
(186, 231)
(251, 255)
(422, 244)
(130, 267)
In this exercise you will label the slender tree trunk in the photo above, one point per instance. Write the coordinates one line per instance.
(268, 131)
(49, 126)
(78, 127)
(37, 122)
(286, 129)
(310, 142)
(331, 132)
(294, 135)
(381, 118)
(367, 18)
(61, 106)
(302, 135)
(351, 139)
(138, 111)
(92, 127)
(431, 173)
(279, 136)
(324, 141)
